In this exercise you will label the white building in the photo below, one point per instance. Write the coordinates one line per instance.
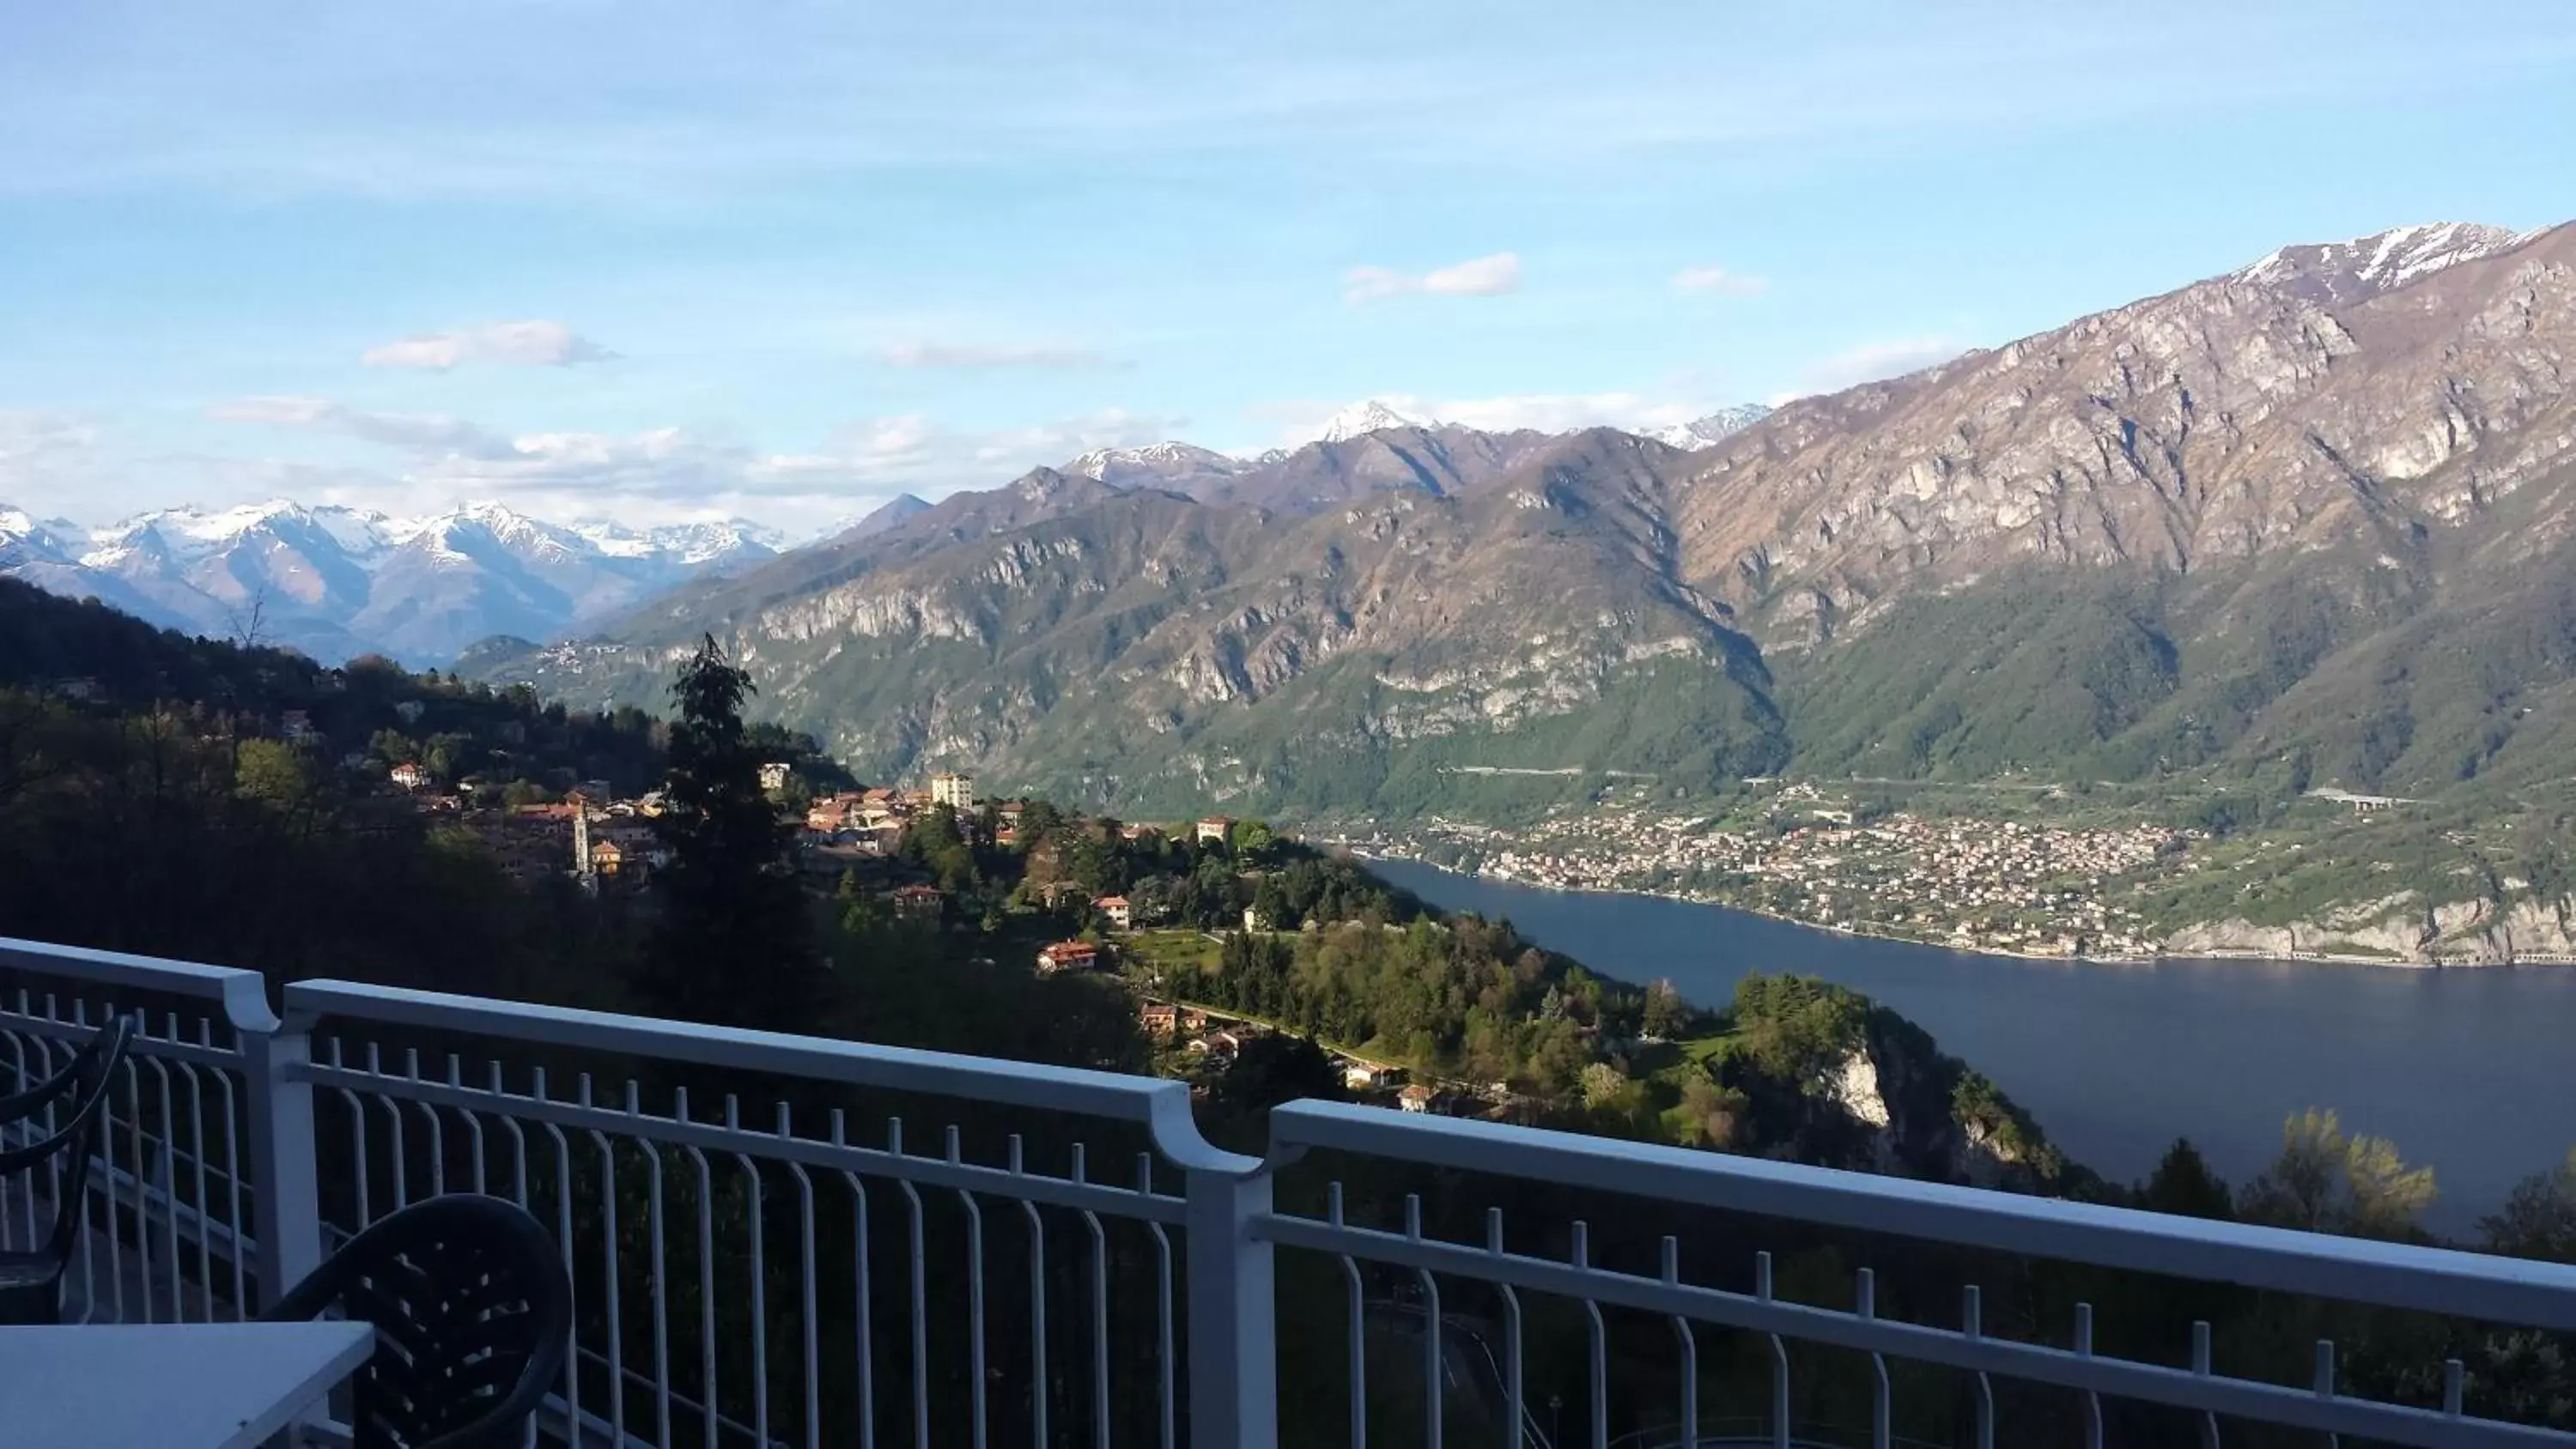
(954, 790)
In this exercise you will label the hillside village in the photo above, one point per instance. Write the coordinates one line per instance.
(853, 843)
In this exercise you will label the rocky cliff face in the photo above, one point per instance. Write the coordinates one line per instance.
(2405, 929)
(1887, 1100)
(2275, 412)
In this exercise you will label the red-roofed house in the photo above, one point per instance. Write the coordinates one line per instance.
(1068, 956)
(919, 902)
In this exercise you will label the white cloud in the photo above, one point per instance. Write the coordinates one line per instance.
(971, 357)
(673, 474)
(535, 343)
(1718, 279)
(1873, 361)
(48, 461)
(425, 432)
(920, 456)
(1490, 276)
(29, 438)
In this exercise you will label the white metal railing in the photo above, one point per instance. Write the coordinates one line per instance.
(506, 1125)
(762, 1255)
(2393, 1275)
(183, 1143)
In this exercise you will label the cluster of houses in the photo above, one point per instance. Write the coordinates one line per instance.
(1217, 1039)
(1977, 884)
(601, 842)
(871, 821)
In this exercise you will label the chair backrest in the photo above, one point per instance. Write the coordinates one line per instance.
(72, 1141)
(472, 1309)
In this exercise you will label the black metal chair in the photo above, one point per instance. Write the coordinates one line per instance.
(471, 1307)
(31, 1277)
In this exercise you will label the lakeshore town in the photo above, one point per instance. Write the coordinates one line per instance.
(1985, 885)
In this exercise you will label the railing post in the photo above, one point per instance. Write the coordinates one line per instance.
(288, 1212)
(1233, 1314)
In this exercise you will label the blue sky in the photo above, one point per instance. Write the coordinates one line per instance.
(650, 261)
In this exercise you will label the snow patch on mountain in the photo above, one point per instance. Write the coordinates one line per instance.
(1157, 465)
(2336, 273)
(1717, 427)
(25, 538)
(1368, 417)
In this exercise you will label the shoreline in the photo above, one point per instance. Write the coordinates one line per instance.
(2306, 958)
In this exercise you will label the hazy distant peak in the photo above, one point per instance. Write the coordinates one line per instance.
(1717, 427)
(895, 511)
(336, 580)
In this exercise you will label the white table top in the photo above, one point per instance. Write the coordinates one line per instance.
(186, 1386)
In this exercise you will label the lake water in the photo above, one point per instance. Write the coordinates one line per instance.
(2470, 1070)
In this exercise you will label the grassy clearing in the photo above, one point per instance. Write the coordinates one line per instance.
(1170, 951)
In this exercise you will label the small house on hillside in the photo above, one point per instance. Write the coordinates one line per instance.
(1415, 1098)
(1215, 828)
(1114, 909)
(1159, 1019)
(1362, 1077)
(1068, 956)
(919, 902)
(408, 775)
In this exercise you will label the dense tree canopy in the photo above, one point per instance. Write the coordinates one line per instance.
(734, 941)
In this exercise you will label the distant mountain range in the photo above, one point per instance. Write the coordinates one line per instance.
(2311, 522)
(336, 582)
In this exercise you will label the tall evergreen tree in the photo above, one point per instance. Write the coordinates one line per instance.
(734, 945)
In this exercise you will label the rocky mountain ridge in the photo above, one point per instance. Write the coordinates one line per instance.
(2309, 522)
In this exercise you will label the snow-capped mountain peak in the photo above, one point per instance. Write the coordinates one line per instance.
(1367, 417)
(337, 581)
(2334, 273)
(715, 541)
(188, 535)
(25, 538)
